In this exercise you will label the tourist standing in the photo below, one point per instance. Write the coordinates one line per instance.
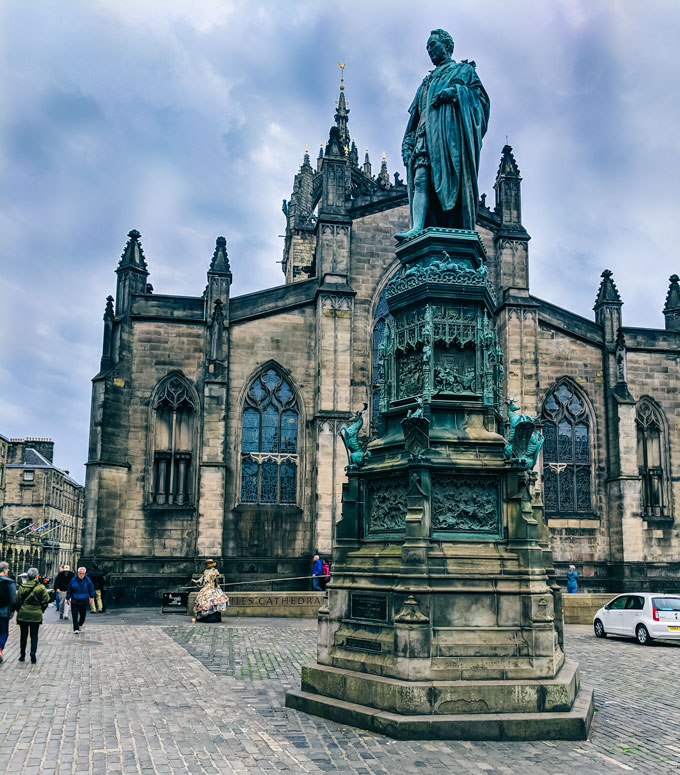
(80, 595)
(317, 572)
(60, 586)
(97, 578)
(8, 591)
(54, 587)
(572, 580)
(31, 602)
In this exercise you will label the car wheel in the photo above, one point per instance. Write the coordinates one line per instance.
(642, 635)
(599, 629)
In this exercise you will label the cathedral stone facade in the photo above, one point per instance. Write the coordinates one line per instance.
(214, 422)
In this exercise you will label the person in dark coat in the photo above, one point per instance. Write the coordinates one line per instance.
(31, 602)
(97, 578)
(61, 583)
(8, 591)
(79, 595)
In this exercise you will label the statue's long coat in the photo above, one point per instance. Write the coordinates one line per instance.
(454, 133)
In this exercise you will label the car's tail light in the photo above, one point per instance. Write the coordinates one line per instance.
(655, 614)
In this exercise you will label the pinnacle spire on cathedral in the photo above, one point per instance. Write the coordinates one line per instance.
(220, 259)
(608, 292)
(508, 167)
(133, 255)
(342, 112)
(673, 295)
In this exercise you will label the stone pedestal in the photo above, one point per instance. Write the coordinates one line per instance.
(443, 619)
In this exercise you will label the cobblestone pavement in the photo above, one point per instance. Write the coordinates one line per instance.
(138, 692)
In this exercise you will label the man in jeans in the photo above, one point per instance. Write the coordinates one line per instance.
(79, 595)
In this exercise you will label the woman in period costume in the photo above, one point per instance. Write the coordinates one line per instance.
(211, 600)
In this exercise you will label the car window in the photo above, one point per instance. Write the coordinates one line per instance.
(619, 603)
(636, 603)
(666, 603)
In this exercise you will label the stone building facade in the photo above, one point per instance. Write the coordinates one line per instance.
(41, 519)
(214, 424)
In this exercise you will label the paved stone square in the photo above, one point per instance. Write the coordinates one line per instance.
(139, 692)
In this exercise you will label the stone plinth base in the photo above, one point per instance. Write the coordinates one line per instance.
(569, 725)
(555, 709)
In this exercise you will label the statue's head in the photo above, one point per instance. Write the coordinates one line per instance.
(439, 46)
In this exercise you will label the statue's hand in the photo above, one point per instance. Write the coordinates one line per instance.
(446, 95)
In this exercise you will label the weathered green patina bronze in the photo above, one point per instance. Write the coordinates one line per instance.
(524, 438)
(357, 454)
(443, 141)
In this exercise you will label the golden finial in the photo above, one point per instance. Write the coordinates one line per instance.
(384, 157)
(342, 66)
(306, 148)
(346, 150)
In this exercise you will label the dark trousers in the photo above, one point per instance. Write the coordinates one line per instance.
(78, 612)
(4, 631)
(25, 627)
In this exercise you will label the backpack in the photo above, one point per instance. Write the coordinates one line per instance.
(5, 595)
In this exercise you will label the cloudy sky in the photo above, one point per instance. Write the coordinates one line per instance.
(187, 120)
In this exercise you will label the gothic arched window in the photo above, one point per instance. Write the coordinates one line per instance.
(651, 457)
(174, 405)
(567, 465)
(269, 441)
(381, 322)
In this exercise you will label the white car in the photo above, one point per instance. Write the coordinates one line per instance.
(642, 615)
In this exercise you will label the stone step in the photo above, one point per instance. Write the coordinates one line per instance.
(571, 725)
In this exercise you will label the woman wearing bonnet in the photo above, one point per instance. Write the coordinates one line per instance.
(211, 600)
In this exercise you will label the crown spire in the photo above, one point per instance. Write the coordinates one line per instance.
(342, 112)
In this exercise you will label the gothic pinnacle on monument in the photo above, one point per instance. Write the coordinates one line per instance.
(132, 273)
(508, 166)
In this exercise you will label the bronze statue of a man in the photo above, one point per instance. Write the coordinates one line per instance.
(443, 140)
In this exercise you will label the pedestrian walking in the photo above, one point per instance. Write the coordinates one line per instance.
(97, 578)
(317, 572)
(79, 595)
(8, 591)
(572, 579)
(31, 602)
(325, 574)
(60, 586)
(54, 587)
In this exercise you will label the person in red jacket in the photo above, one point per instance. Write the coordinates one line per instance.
(325, 574)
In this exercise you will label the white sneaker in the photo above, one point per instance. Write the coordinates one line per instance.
(76, 632)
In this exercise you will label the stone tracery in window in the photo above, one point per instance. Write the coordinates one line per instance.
(651, 457)
(269, 441)
(567, 465)
(174, 405)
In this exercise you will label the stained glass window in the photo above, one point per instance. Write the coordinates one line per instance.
(567, 468)
(269, 441)
(651, 456)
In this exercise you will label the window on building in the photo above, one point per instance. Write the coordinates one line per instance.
(173, 442)
(269, 441)
(567, 464)
(382, 319)
(651, 457)
(29, 476)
